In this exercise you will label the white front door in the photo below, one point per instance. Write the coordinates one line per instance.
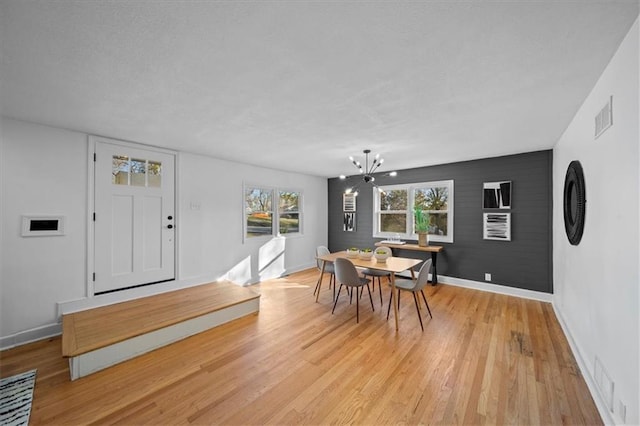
(134, 220)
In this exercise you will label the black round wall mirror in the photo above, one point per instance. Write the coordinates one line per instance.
(574, 202)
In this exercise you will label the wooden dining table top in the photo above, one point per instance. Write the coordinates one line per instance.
(392, 264)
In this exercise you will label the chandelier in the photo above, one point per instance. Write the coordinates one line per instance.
(366, 172)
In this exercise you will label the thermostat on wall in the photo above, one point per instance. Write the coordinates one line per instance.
(40, 226)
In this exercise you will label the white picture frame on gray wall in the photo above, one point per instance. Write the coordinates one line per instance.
(349, 222)
(496, 195)
(497, 226)
(348, 202)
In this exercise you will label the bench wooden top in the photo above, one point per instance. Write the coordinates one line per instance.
(92, 329)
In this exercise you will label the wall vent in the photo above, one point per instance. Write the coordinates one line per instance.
(604, 119)
(41, 226)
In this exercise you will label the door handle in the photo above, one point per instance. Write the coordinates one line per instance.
(170, 226)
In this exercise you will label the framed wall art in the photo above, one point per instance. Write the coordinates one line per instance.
(349, 202)
(497, 226)
(574, 202)
(349, 222)
(496, 195)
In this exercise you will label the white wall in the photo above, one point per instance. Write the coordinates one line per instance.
(596, 283)
(211, 194)
(44, 172)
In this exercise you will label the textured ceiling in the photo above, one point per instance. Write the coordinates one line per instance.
(300, 86)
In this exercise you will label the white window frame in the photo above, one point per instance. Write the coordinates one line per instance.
(245, 226)
(377, 212)
(275, 212)
(299, 211)
(409, 233)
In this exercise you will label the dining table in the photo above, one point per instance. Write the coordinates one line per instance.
(393, 264)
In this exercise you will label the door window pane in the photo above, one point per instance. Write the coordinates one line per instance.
(138, 172)
(120, 170)
(155, 174)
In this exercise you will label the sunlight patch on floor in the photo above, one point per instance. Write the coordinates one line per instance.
(285, 283)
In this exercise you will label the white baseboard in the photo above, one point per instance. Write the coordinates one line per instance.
(29, 336)
(287, 272)
(298, 268)
(601, 405)
(495, 288)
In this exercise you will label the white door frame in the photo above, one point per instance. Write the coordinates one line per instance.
(91, 167)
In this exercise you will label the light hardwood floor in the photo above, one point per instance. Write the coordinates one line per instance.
(483, 359)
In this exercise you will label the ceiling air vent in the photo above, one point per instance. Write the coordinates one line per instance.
(604, 119)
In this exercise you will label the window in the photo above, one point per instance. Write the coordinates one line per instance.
(433, 200)
(394, 209)
(260, 216)
(289, 212)
(258, 203)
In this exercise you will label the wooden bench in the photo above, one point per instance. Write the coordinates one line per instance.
(434, 250)
(97, 338)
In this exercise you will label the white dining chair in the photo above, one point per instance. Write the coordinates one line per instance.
(414, 287)
(347, 276)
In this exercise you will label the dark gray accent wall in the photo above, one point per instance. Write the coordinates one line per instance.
(524, 262)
